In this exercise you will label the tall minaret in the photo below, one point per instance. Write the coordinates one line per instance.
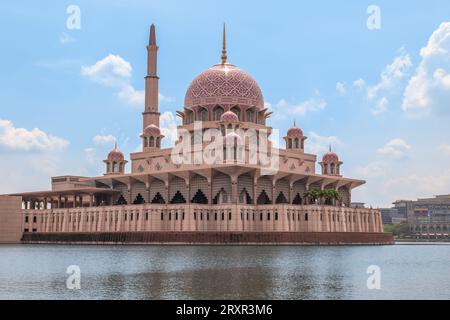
(224, 45)
(151, 113)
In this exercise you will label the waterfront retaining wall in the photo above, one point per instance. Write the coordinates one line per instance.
(215, 238)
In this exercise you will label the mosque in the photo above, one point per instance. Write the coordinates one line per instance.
(223, 181)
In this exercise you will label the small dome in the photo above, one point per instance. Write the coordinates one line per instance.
(295, 132)
(152, 130)
(232, 138)
(116, 155)
(229, 116)
(330, 157)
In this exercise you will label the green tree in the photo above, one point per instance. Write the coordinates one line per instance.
(313, 195)
(399, 230)
(330, 196)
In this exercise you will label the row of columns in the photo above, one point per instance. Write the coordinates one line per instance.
(60, 202)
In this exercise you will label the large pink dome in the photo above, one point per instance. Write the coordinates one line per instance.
(224, 84)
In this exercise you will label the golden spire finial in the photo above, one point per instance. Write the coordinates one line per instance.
(224, 45)
(329, 147)
(295, 123)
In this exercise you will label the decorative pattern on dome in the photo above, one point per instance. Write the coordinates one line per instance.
(116, 155)
(229, 116)
(330, 157)
(294, 132)
(152, 130)
(224, 84)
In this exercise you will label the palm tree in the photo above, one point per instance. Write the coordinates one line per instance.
(313, 194)
(330, 196)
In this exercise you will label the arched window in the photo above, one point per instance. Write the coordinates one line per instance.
(296, 143)
(115, 167)
(332, 168)
(325, 168)
(217, 113)
(221, 197)
(202, 114)
(250, 116)
(245, 198)
(289, 143)
(237, 111)
(189, 117)
(152, 142)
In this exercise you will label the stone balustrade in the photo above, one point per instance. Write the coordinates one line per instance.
(205, 218)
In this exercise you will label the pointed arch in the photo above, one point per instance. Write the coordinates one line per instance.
(199, 197)
(202, 114)
(178, 198)
(121, 200)
(158, 199)
(237, 111)
(281, 198)
(263, 198)
(217, 113)
(297, 199)
(249, 115)
(139, 199)
(244, 197)
(220, 181)
(221, 197)
(245, 182)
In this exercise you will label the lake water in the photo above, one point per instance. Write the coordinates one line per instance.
(416, 271)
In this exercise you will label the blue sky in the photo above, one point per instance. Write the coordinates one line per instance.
(390, 127)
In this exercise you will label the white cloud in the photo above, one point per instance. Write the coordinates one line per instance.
(395, 148)
(23, 139)
(318, 144)
(168, 124)
(341, 88)
(445, 149)
(429, 89)
(386, 183)
(375, 169)
(359, 84)
(101, 139)
(114, 71)
(129, 95)
(391, 75)
(314, 104)
(381, 106)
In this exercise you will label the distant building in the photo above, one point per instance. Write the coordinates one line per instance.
(430, 216)
(395, 215)
(386, 215)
